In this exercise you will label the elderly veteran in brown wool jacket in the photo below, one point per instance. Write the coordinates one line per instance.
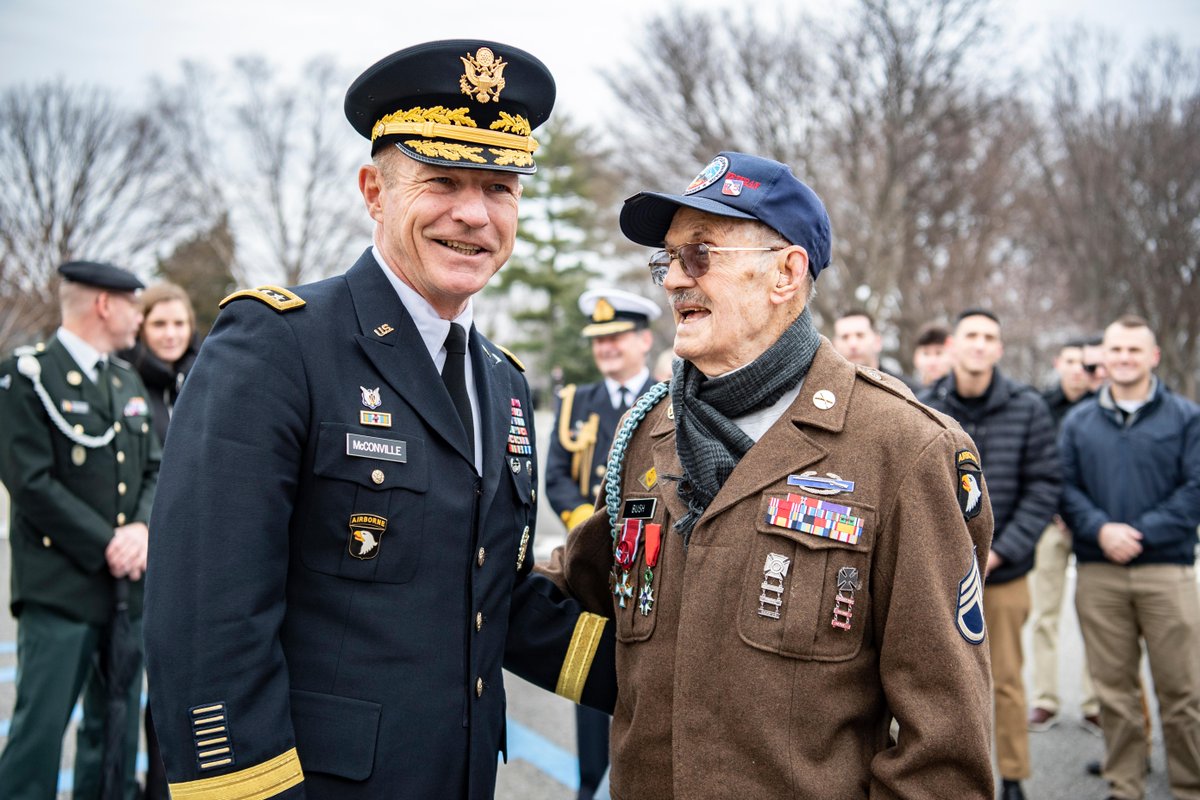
(790, 546)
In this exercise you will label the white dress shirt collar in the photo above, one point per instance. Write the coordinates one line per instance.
(83, 353)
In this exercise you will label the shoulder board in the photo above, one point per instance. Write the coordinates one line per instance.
(276, 297)
(896, 386)
(120, 362)
(516, 361)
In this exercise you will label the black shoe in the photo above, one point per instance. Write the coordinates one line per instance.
(1011, 790)
(1095, 768)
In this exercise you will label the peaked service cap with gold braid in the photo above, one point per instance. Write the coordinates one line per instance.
(616, 311)
(455, 103)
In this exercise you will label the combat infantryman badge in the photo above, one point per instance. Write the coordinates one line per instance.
(774, 571)
(969, 493)
(828, 485)
(366, 534)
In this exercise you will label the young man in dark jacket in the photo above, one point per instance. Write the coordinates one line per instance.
(1011, 425)
(1048, 581)
(1131, 460)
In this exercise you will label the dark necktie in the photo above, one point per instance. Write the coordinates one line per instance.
(104, 384)
(624, 402)
(454, 375)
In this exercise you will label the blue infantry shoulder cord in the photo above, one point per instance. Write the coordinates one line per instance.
(616, 457)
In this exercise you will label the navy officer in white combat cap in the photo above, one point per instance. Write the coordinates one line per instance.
(618, 327)
(344, 530)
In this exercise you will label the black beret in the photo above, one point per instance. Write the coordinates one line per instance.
(102, 276)
(455, 103)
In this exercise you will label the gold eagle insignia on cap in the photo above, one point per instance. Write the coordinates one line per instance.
(483, 75)
(603, 312)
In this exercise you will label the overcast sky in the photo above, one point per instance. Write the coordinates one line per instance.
(121, 43)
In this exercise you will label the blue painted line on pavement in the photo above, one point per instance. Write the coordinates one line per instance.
(535, 749)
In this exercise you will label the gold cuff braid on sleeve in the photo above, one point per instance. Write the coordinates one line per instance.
(259, 782)
(578, 661)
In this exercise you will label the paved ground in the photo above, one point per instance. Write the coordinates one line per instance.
(541, 762)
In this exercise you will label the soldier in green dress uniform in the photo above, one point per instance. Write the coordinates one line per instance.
(80, 461)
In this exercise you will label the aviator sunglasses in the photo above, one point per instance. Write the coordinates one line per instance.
(693, 257)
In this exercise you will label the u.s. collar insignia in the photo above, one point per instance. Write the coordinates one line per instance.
(366, 535)
(969, 618)
(483, 75)
(709, 175)
(370, 397)
(828, 485)
(384, 329)
(970, 495)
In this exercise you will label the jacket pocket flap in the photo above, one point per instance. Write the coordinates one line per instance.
(335, 735)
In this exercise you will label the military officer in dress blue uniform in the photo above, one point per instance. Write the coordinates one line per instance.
(344, 530)
(587, 417)
(80, 460)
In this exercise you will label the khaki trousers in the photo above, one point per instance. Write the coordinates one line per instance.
(1005, 609)
(1158, 603)
(1048, 583)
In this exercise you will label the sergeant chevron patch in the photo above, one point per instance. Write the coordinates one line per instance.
(969, 618)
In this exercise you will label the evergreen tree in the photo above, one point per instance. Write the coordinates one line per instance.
(562, 241)
(202, 265)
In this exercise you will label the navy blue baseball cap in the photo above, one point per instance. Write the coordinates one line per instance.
(100, 275)
(455, 103)
(740, 186)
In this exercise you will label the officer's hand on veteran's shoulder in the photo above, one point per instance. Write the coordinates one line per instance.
(1121, 543)
(127, 550)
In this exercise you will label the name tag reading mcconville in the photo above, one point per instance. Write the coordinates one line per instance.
(379, 449)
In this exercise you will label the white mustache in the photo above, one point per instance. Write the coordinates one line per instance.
(693, 297)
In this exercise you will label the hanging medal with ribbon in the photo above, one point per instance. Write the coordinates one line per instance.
(624, 557)
(653, 543)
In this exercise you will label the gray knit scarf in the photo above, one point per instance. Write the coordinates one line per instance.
(709, 444)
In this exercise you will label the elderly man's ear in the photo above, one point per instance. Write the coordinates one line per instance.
(791, 275)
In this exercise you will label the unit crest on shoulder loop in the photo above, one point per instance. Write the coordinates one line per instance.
(276, 297)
